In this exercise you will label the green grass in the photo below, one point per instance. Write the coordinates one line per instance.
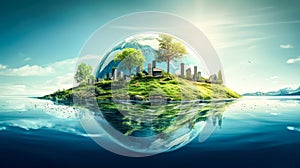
(169, 87)
(135, 119)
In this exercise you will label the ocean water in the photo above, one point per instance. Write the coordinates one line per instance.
(255, 132)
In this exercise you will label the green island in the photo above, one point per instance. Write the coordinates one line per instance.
(139, 88)
(161, 117)
(148, 103)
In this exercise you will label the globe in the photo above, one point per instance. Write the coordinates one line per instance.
(146, 103)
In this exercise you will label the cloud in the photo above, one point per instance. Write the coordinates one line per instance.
(286, 46)
(252, 47)
(3, 66)
(7, 89)
(26, 70)
(293, 60)
(27, 59)
(37, 80)
(56, 68)
(239, 42)
(60, 82)
(89, 57)
(262, 24)
(274, 77)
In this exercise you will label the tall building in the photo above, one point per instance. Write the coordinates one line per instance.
(114, 74)
(189, 73)
(195, 73)
(153, 64)
(149, 69)
(199, 76)
(121, 75)
(182, 70)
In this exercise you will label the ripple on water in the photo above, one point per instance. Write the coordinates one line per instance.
(291, 128)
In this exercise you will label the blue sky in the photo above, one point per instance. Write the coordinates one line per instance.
(257, 41)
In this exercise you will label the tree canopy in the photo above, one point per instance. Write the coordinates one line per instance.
(169, 50)
(129, 58)
(83, 73)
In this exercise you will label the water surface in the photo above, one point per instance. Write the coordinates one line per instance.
(255, 132)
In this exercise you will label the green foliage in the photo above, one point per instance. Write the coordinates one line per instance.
(83, 73)
(168, 86)
(130, 58)
(139, 118)
(169, 50)
(140, 75)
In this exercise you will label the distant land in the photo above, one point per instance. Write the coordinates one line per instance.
(281, 92)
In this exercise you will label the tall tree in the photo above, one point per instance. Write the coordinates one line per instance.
(169, 50)
(83, 73)
(129, 58)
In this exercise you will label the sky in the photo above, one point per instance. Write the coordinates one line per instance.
(257, 41)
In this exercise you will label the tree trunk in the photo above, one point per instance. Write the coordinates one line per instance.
(168, 69)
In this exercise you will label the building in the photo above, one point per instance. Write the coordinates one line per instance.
(199, 77)
(213, 78)
(114, 74)
(189, 73)
(157, 71)
(149, 69)
(153, 64)
(120, 75)
(195, 73)
(126, 77)
(182, 70)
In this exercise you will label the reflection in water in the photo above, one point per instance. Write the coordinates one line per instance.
(139, 128)
(151, 118)
(142, 120)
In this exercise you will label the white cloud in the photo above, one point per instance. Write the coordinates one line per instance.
(54, 69)
(27, 59)
(263, 24)
(3, 66)
(274, 77)
(89, 57)
(252, 47)
(41, 80)
(60, 82)
(26, 70)
(293, 60)
(286, 46)
(6, 89)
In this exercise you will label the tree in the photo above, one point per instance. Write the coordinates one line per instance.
(220, 78)
(169, 50)
(83, 73)
(130, 58)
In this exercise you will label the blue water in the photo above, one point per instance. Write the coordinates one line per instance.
(255, 132)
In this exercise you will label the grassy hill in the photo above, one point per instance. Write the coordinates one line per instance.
(169, 87)
(142, 119)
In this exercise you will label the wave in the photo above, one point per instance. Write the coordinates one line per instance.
(291, 128)
(28, 124)
(37, 124)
